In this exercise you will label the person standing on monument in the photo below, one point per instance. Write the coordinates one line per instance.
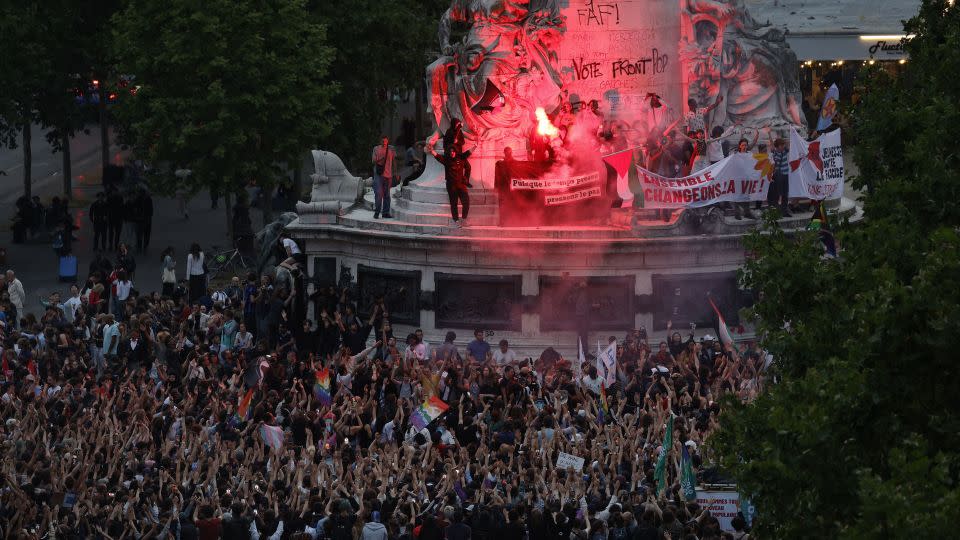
(455, 168)
(384, 161)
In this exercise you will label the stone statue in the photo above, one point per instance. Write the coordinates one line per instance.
(502, 69)
(334, 188)
(267, 238)
(728, 53)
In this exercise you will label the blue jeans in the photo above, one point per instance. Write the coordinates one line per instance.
(381, 194)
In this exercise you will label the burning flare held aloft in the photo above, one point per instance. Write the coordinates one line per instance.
(544, 127)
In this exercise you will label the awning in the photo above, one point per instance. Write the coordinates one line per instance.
(847, 46)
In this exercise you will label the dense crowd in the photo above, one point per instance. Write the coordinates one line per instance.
(207, 414)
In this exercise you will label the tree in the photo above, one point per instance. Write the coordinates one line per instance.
(24, 28)
(231, 94)
(93, 22)
(860, 438)
(392, 61)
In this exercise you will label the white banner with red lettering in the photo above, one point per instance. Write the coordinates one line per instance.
(736, 178)
(816, 167)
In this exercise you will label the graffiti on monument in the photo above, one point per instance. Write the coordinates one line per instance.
(400, 291)
(489, 302)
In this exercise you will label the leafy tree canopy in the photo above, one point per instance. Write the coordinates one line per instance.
(232, 92)
(861, 436)
(383, 48)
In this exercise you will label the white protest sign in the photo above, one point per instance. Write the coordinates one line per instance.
(722, 505)
(554, 183)
(573, 196)
(816, 167)
(736, 178)
(565, 460)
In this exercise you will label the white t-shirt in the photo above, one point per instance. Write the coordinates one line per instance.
(592, 384)
(195, 265)
(123, 289)
(70, 308)
(502, 358)
(292, 246)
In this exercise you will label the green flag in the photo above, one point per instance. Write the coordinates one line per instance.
(688, 480)
(660, 471)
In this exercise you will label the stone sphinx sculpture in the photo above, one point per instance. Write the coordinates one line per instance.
(334, 188)
(728, 53)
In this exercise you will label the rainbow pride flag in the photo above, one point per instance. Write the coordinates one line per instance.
(428, 411)
(321, 388)
(243, 408)
(272, 436)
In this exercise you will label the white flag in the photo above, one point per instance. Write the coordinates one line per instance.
(610, 364)
(580, 360)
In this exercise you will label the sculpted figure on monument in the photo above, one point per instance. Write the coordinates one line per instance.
(334, 188)
(502, 68)
(750, 65)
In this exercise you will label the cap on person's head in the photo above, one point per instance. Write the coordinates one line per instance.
(708, 337)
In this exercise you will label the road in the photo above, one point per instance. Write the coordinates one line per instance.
(47, 165)
(35, 262)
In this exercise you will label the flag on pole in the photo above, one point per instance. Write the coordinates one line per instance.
(660, 471)
(609, 356)
(688, 480)
(581, 359)
(620, 161)
(244, 411)
(428, 411)
(321, 387)
(272, 436)
(722, 329)
(829, 108)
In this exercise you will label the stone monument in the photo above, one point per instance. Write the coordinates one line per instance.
(564, 85)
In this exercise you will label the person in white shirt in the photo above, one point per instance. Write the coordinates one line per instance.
(504, 355)
(17, 296)
(426, 346)
(121, 291)
(244, 340)
(592, 381)
(196, 273)
(295, 257)
(71, 306)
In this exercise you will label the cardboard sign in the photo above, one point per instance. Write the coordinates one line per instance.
(565, 461)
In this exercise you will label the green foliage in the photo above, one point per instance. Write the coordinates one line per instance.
(25, 34)
(861, 437)
(383, 49)
(232, 92)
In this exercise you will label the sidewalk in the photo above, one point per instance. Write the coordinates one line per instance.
(36, 264)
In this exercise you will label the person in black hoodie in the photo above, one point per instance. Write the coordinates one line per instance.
(100, 218)
(456, 170)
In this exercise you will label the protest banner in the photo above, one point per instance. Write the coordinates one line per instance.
(816, 167)
(722, 505)
(573, 196)
(736, 178)
(555, 183)
(565, 460)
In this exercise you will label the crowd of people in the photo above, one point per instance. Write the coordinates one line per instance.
(226, 414)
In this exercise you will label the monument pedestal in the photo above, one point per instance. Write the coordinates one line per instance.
(520, 283)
